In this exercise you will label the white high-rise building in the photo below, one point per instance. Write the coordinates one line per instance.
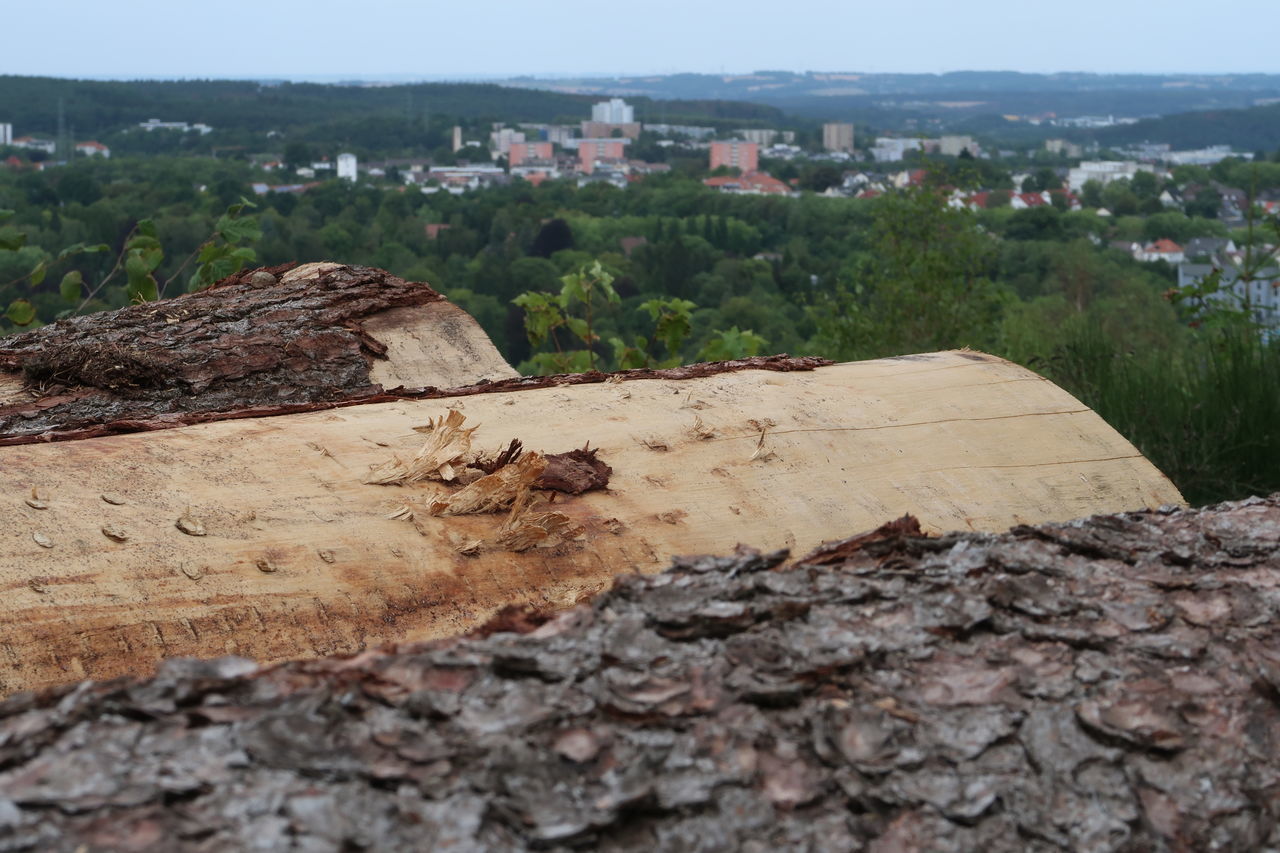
(6, 134)
(613, 111)
(347, 167)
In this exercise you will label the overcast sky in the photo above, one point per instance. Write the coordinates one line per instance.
(368, 38)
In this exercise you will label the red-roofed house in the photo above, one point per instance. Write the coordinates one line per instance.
(1161, 250)
(751, 183)
(30, 142)
(1023, 201)
(93, 149)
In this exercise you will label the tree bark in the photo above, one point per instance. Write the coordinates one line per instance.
(1111, 684)
(268, 337)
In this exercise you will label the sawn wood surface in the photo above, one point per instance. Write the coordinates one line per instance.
(300, 558)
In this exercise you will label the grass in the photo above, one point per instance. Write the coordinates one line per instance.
(1207, 415)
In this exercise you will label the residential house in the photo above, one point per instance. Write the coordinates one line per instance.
(31, 143)
(1104, 172)
(91, 148)
(1160, 250)
(613, 174)
(749, 183)
(156, 124)
(1025, 201)
(456, 180)
(1260, 296)
(1211, 250)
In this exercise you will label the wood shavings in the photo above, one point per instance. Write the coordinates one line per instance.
(403, 512)
(760, 453)
(35, 501)
(113, 499)
(527, 528)
(469, 548)
(447, 445)
(493, 492)
(42, 540)
(115, 534)
(700, 430)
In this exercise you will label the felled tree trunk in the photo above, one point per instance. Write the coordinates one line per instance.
(265, 338)
(335, 529)
(1112, 684)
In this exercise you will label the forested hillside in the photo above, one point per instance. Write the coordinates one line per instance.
(1256, 129)
(381, 118)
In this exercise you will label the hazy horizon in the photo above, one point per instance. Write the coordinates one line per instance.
(387, 40)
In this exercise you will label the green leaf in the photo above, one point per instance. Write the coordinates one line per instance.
(147, 228)
(37, 275)
(11, 239)
(142, 285)
(244, 230)
(579, 327)
(143, 289)
(70, 286)
(5, 214)
(143, 241)
(70, 250)
(21, 312)
(574, 288)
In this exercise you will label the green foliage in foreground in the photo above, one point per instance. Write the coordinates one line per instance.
(1208, 415)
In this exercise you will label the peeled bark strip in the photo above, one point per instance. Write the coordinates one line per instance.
(1111, 684)
(268, 337)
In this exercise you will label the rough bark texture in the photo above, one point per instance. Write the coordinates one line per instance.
(1110, 684)
(28, 423)
(260, 338)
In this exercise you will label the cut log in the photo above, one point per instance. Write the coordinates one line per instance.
(263, 537)
(1111, 684)
(284, 335)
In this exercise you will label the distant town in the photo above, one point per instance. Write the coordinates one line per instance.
(739, 161)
